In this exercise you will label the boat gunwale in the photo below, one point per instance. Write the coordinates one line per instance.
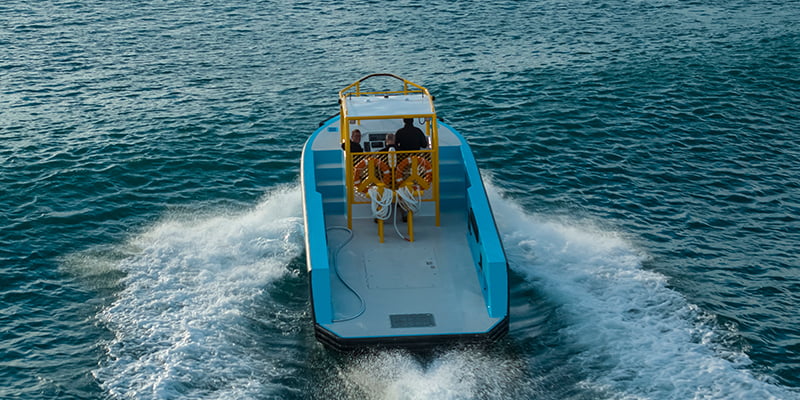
(491, 252)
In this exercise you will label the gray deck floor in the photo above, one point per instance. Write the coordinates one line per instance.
(424, 287)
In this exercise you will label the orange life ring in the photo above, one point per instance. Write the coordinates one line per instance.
(364, 176)
(422, 175)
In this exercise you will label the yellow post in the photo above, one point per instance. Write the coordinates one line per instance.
(410, 226)
(380, 229)
(435, 160)
(348, 167)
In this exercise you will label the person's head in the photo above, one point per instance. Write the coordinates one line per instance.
(355, 136)
(390, 138)
(408, 121)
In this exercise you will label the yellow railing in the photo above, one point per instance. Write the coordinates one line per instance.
(392, 170)
(415, 170)
(354, 89)
(377, 168)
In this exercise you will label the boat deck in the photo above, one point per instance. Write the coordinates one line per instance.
(426, 287)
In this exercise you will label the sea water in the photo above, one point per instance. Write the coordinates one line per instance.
(641, 159)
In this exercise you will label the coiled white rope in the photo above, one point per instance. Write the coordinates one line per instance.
(408, 200)
(381, 202)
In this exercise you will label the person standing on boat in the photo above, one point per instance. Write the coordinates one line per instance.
(355, 142)
(409, 137)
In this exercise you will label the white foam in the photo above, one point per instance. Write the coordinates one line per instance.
(457, 374)
(180, 322)
(634, 336)
(191, 282)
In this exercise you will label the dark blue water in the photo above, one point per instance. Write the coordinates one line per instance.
(643, 162)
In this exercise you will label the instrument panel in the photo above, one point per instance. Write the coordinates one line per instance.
(374, 142)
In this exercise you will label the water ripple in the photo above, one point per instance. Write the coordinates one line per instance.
(673, 123)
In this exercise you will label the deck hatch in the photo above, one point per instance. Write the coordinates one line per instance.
(412, 320)
(390, 267)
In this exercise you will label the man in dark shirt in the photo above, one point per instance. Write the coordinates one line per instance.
(355, 142)
(409, 137)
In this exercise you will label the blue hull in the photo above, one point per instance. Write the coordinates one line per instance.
(450, 284)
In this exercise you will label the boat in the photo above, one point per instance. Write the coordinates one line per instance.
(402, 247)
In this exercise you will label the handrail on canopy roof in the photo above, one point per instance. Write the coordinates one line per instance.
(410, 101)
(348, 90)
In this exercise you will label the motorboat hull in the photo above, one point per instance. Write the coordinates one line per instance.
(441, 281)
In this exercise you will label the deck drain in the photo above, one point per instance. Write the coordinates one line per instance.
(412, 320)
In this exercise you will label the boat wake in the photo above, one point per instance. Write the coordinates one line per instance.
(624, 332)
(190, 319)
(465, 373)
(214, 307)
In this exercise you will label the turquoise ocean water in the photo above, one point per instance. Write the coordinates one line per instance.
(642, 159)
